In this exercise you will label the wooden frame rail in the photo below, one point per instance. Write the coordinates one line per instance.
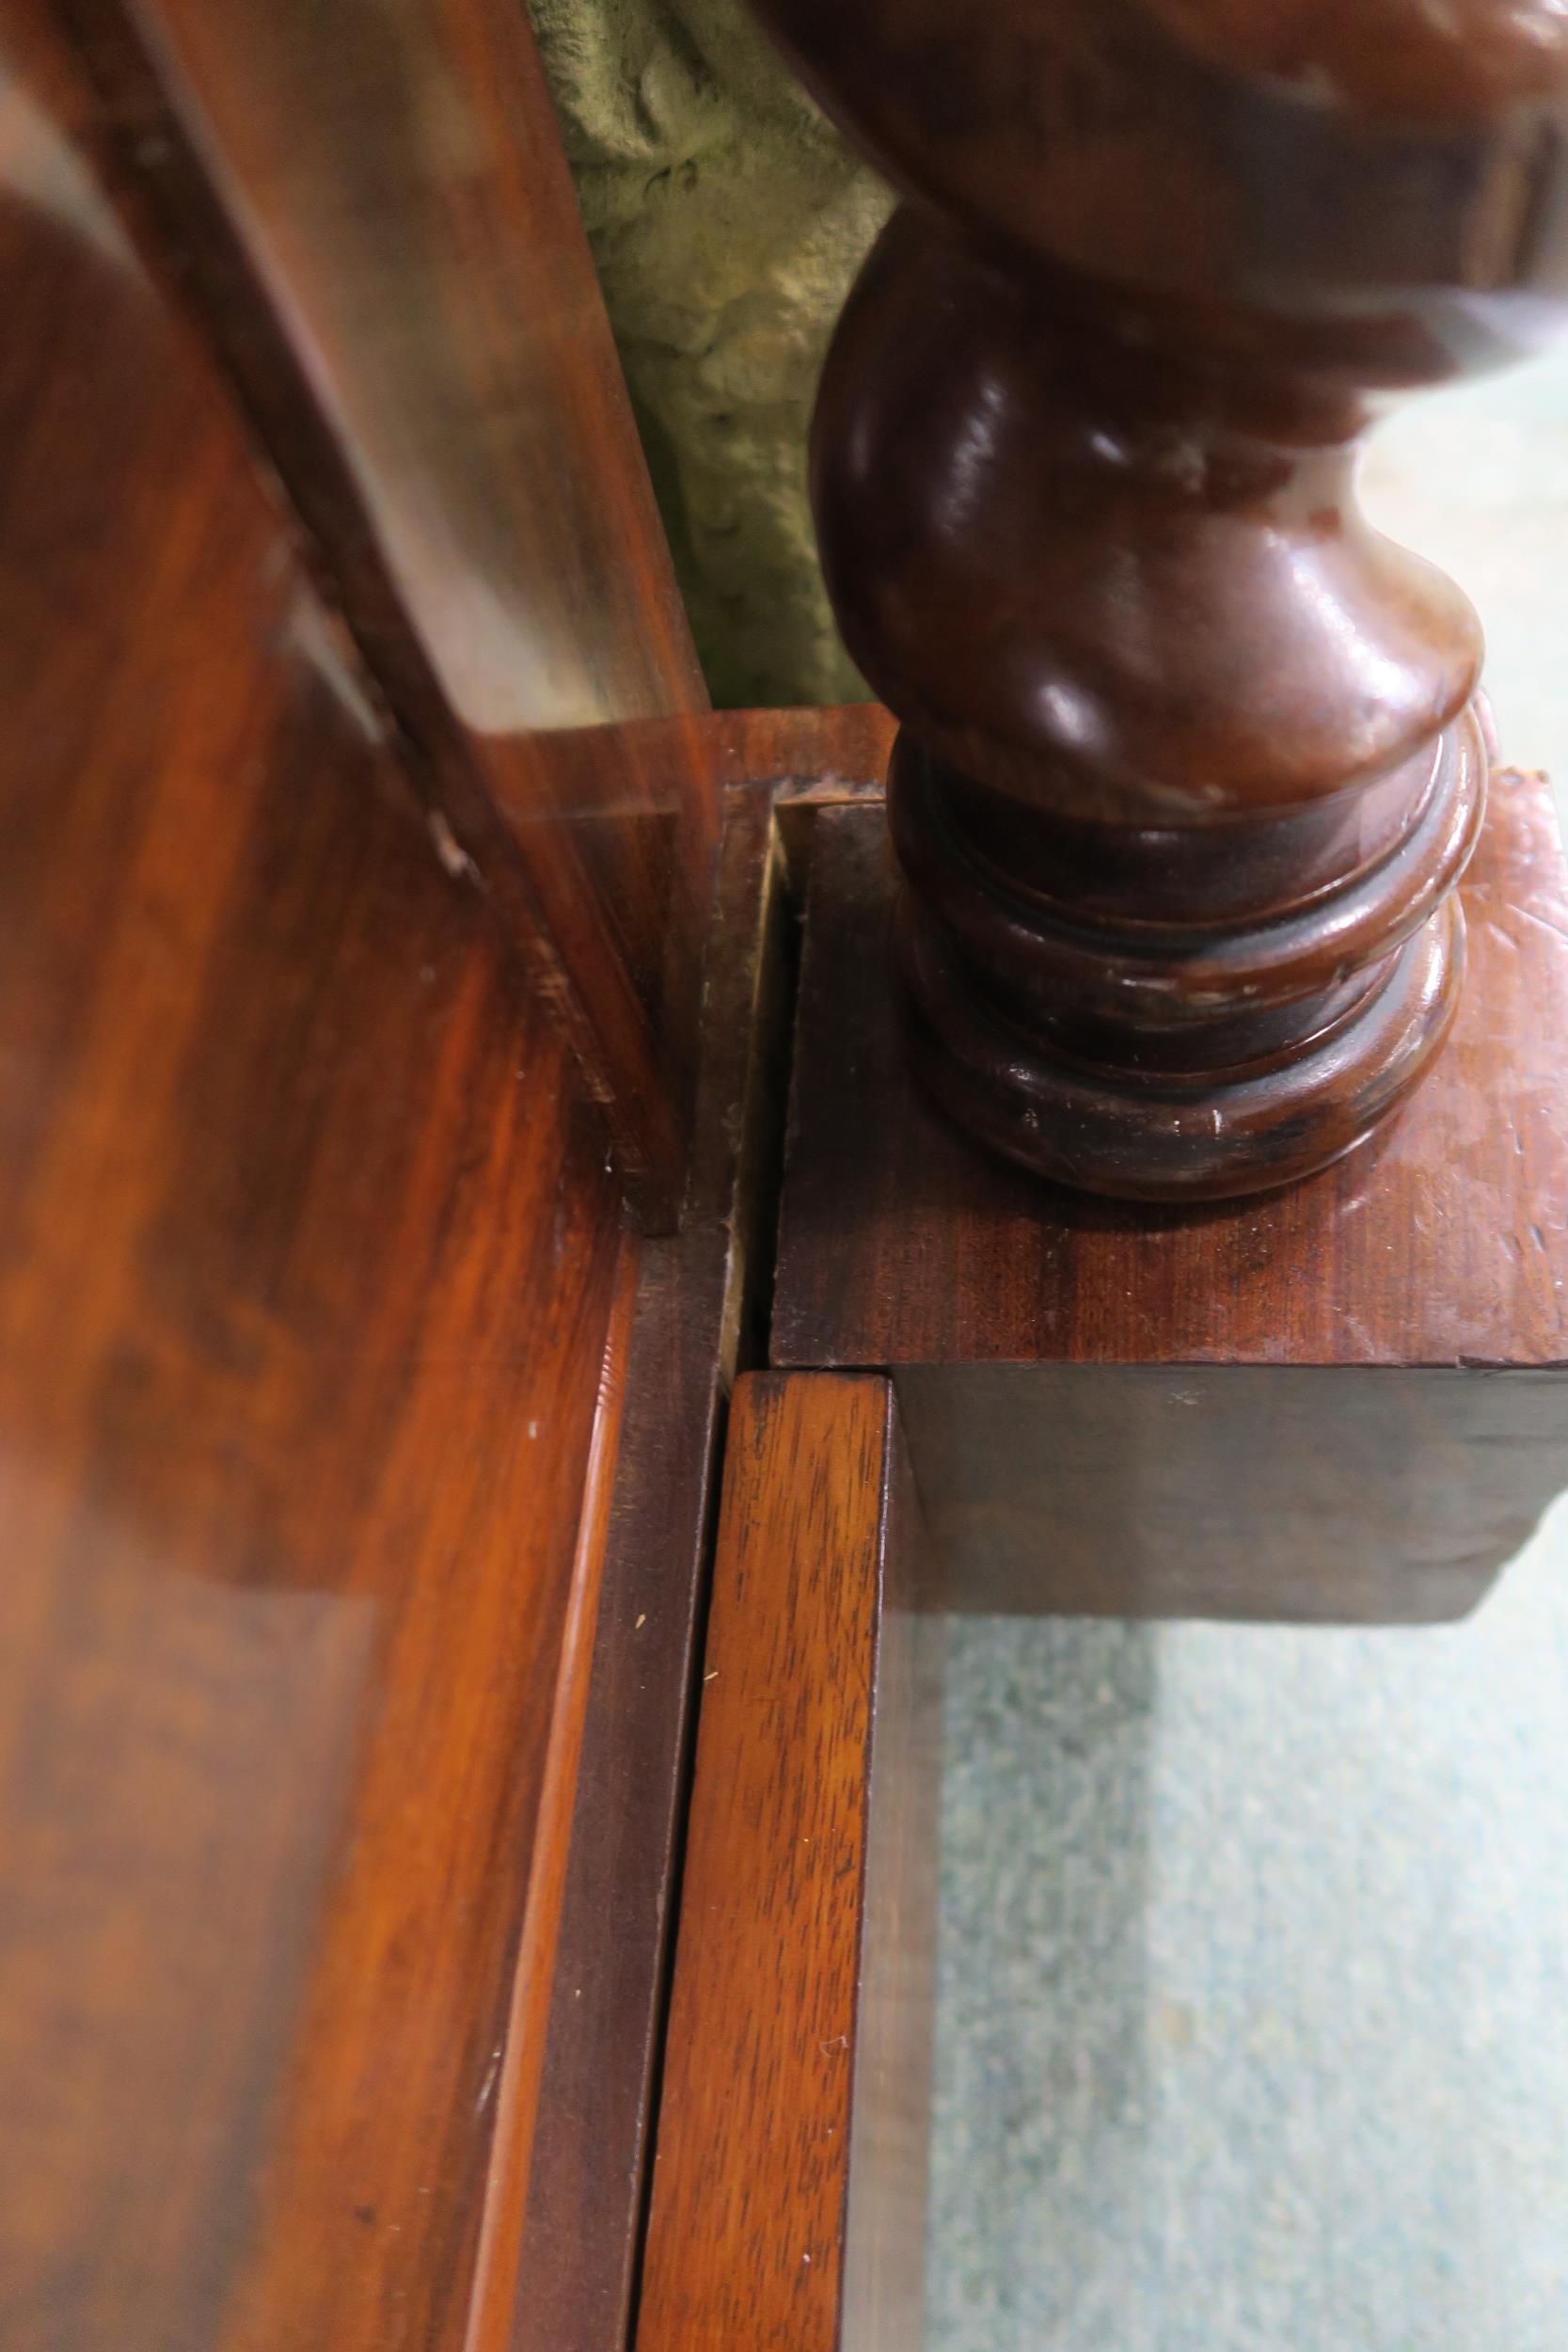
(789, 2190)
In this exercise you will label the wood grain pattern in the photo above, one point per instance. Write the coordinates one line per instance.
(825, 754)
(1444, 1242)
(779, 2204)
(588, 2182)
(1311, 1494)
(308, 1257)
(501, 2253)
(374, 210)
(1388, 1407)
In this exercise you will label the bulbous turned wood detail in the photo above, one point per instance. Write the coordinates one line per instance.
(1190, 762)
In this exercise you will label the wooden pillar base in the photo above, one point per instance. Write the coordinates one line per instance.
(1020, 1000)
(1344, 1401)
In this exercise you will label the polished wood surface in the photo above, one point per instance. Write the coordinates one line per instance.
(1017, 1317)
(371, 213)
(790, 2177)
(820, 753)
(312, 1292)
(1214, 147)
(1190, 763)
(694, 1321)
(1444, 1241)
(1308, 1495)
(502, 2251)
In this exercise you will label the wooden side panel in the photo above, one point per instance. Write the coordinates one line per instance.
(1312, 1493)
(587, 2186)
(308, 1257)
(373, 209)
(788, 2188)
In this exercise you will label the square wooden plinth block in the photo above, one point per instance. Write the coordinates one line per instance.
(1347, 1401)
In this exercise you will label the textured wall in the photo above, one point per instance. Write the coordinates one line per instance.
(727, 220)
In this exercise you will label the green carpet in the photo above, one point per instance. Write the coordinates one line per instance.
(1254, 2003)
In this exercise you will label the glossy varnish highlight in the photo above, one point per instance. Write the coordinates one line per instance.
(308, 1252)
(371, 214)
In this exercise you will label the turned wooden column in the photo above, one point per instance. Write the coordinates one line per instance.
(1190, 761)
